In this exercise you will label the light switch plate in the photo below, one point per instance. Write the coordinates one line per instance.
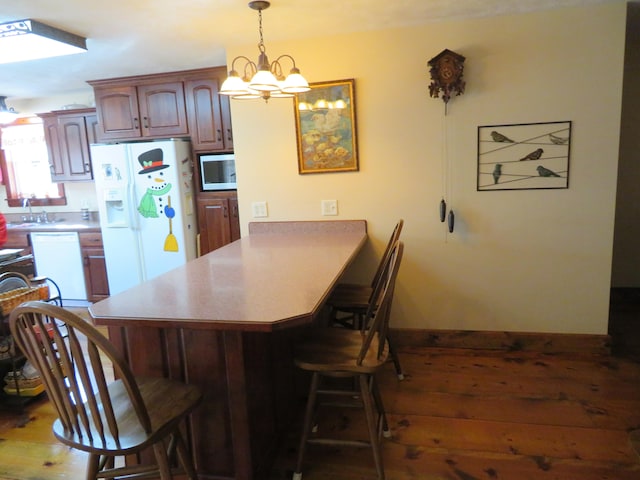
(259, 209)
(329, 207)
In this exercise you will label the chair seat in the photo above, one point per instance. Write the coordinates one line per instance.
(337, 350)
(350, 297)
(167, 402)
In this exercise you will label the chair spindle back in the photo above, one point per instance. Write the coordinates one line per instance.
(377, 317)
(67, 352)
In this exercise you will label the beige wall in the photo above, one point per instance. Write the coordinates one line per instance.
(536, 260)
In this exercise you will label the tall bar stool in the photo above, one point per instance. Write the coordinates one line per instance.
(349, 302)
(351, 353)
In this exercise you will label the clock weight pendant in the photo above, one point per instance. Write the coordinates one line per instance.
(446, 70)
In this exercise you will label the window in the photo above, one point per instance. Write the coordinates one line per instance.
(25, 165)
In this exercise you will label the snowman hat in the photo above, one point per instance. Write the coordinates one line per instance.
(151, 161)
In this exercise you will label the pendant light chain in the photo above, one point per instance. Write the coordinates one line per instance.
(261, 44)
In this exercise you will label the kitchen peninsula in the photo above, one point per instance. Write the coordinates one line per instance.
(226, 322)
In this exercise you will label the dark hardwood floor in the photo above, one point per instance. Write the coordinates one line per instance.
(473, 414)
(461, 414)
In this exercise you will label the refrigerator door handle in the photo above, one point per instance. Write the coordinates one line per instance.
(132, 209)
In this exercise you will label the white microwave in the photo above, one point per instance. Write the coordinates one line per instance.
(218, 172)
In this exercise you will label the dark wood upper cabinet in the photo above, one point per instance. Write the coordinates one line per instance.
(118, 115)
(203, 111)
(144, 111)
(162, 110)
(166, 105)
(68, 134)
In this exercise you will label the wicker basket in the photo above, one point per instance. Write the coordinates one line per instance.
(16, 378)
(11, 299)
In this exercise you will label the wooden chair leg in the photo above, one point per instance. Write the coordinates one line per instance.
(186, 460)
(307, 423)
(162, 460)
(396, 360)
(93, 466)
(372, 424)
(386, 431)
(107, 462)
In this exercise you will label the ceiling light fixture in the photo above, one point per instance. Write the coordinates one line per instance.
(7, 115)
(264, 80)
(23, 40)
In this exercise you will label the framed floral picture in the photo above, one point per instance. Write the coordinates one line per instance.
(326, 128)
(524, 156)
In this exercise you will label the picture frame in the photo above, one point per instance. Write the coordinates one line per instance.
(524, 156)
(325, 120)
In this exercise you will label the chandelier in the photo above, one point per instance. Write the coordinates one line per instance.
(263, 80)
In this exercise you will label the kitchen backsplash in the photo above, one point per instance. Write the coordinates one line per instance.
(79, 195)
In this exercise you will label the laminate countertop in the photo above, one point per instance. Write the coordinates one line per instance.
(279, 275)
(71, 221)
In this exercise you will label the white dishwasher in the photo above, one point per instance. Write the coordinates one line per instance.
(57, 256)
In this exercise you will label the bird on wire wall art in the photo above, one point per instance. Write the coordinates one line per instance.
(524, 156)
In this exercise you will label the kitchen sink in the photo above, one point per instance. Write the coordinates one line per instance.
(21, 224)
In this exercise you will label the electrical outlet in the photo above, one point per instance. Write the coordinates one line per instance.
(329, 207)
(259, 209)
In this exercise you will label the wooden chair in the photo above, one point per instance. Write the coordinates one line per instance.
(634, 439)
(348, 302)
(106, 420)
(355, 354)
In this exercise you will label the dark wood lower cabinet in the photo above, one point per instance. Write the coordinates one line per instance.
(218, 220)
(95, 267)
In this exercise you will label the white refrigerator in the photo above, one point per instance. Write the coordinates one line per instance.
(145, 195)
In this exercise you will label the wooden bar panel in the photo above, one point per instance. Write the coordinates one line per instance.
(246, 380)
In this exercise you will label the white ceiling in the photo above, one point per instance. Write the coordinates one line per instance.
(130, 37)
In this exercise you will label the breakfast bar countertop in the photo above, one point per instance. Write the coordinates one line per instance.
(280, 274)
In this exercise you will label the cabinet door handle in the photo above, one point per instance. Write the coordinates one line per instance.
(225, 212)
(146, 122)
(235, 211)
(136, 124)
(219, 135)
(87, 167)
(229, 135)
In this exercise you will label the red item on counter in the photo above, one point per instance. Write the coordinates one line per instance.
(3, 230)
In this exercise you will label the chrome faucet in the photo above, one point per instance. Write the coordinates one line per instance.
(27, 203)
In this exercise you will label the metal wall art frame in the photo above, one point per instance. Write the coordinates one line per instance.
(326, 128)
(524, 156)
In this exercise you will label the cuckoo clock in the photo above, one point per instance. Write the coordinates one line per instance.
(446, 75)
